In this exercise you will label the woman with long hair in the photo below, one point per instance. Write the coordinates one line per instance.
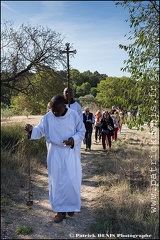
(107, 127)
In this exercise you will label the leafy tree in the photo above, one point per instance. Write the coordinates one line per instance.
(87, 73)
(89, 101)
(6, 94)
(103, 77)
(26, 51)
(63, 73)
(94, 80)
(45, 85)
(93, 91)
(79, 91)
(75, 77)
(120, 92)
(3, 105)
(6, 113)
(19, 103)
(143, 54)
(83, 89)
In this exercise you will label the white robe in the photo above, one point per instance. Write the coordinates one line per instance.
(64, 163)
(77, 107)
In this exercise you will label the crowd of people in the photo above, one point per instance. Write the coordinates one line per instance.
(65, 126)
(106, 125)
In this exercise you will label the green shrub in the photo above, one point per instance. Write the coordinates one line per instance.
(6, 113)
(26, 113)
(24, 230)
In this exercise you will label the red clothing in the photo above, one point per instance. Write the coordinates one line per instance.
(104, 135)
(98, 115)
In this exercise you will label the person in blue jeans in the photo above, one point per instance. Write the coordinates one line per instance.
(89, 120)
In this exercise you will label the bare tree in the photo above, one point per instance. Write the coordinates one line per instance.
(25, 51)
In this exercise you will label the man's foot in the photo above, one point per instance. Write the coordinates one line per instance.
(70, 214)
(59, 217)
(87, 149)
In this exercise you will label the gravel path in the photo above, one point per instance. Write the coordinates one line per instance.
(40, 216)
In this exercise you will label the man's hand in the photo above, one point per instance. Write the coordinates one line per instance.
(90, 121)
(69, 142)
(28, 127)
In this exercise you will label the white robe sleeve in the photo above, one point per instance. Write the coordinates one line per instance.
(39, 130)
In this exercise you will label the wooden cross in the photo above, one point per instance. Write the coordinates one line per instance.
(67, 50)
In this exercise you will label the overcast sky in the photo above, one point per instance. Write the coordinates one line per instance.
(94, 28)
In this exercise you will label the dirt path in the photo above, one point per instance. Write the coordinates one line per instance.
(40, 216)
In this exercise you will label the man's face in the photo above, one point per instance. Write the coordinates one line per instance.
(65, 93)
(87, 111)
(58, 110)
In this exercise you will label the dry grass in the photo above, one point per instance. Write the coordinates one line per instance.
(126, 201)
(124, 176)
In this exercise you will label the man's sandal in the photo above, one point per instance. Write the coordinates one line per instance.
(59, 217)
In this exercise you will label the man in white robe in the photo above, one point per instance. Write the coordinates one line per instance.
(73, 104)
(64, 132)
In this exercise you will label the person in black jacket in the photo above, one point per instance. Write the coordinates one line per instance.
(107, 127)
(89, 120)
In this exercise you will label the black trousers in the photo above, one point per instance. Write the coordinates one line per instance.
(97, 133)
(88, 138)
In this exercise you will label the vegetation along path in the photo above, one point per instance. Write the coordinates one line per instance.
(115, 189)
